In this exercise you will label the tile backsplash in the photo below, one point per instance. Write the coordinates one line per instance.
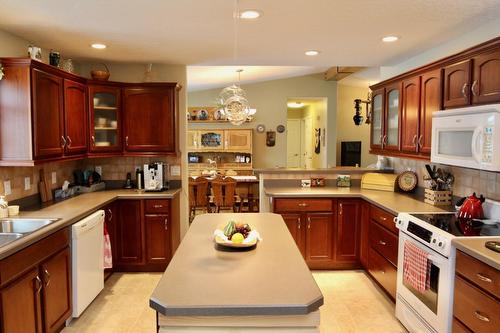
(113, 168)
(466, 180)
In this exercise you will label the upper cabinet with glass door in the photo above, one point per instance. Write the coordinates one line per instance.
(105, 112)
(390, 140)
(377, 127)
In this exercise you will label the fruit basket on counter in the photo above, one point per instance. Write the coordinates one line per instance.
(236, 235)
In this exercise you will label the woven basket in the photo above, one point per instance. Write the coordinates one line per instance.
(100, 75)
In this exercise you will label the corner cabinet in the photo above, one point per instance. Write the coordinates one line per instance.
(150, 118)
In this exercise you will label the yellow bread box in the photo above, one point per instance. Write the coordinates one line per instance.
(379, 181)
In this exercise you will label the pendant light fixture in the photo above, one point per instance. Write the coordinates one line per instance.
(233, 99)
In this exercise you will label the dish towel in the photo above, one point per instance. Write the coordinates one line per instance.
(416, 267)
(108, 256)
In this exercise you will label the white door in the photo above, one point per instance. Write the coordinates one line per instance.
(293, 145)
(307, 140)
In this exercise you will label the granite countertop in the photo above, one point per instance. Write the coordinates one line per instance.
(391, 201)
(72, 210)
(272, 279)
(474, 246)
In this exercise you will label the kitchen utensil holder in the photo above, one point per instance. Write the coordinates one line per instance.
(437, 198)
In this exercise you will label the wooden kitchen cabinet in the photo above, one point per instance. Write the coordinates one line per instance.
(430, 101)
(238, 140)
(21, 309)
(211, 140)
(48, 114)
(192, 140)
(410, 114)
(485, 86)
(392, 117)
(319, 238)
(129, 233)
(457, 84)
(35, 286)
(56, 291)
(348, 231)
(364, 233)
(150, 118)
(157, 239)
(75, 115)
(294, 224)
(377, 125)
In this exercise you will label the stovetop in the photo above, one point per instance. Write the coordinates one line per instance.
(451, 224)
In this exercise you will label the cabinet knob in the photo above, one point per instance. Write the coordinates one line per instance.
(481, 317)
(383, 218)
(474, 87)
(484, 278)
(381, 242)
(69, 141)
(166, 223)
(303, 204)
(158, 206)
(63, 142)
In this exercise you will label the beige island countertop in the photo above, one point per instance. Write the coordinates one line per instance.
(474, 246)
(72, 210)
(393, 202)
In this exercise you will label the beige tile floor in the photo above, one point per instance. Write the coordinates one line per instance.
(353, 304)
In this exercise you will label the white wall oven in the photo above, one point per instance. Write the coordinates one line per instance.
(467, 137)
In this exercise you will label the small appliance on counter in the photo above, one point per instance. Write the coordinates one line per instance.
(155, 177)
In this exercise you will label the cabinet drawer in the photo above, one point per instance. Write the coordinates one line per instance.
(382, 271)
(385, 242)
(474, 308)
(479, 273)
(303, 205)
(157, 206)
(458, 327)
(384, 218)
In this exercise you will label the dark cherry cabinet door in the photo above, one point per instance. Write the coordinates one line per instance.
(56, 277)
(149, 124)
(430, 101)
(48, 122)
(486, 81)
(295, 226)
(20, 305)
(378, 116)
(392, 117)
(348, 231)
(75, 117)
(457, 84)
(410, 115)
(158, 249)
(129, 232)
(319, 243)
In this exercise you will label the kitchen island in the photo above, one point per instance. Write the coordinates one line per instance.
(265, 289)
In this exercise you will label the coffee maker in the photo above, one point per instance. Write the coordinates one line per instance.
(155, 177)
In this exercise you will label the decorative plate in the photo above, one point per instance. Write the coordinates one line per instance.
(260, 128)
(202, 114)
(407, 181)
(280, 128)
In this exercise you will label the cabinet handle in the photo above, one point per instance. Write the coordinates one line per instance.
(420, 138)
(414, 140)
(126, 141)
(383, 218)
(483, 278)
(303, 204)
(481, 317)
(340, 210)
(38, 284)
(384, 143)
(63, 142)
(157, 206)
(381, 140)
(464, 90)
(308, 223)
(110, 214)
(473, 88)
(47, 277)
(93, 140)
(69, 141)
(381, 242)
(166, 223)
(298, 223)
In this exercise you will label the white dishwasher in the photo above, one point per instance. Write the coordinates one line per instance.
(87, 249)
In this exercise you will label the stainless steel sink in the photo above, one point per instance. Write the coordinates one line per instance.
(7, 238)
(23, 225)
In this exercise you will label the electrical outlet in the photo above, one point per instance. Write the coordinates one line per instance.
(6, 187)
(98, 169)
(175, 170)
(27, 183)
(137, 167)
(54, 177)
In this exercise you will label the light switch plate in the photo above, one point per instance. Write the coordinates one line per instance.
(27, 183)
(175, 170)
(98, 169)
(54, 177)
(6, 187)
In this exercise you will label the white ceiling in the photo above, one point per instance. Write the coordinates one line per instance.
(200, 32)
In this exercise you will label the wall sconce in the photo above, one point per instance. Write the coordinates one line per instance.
(358, 117)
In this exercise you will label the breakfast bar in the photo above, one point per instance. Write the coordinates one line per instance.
(210, 289)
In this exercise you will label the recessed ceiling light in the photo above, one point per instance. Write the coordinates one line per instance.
(295, 105)
(98, 46)
(312, 53)
(250, 14)
(389, 39)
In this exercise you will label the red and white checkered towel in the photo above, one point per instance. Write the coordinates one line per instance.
(108, 256)
(416, 267)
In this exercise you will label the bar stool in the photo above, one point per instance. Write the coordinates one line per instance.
(198, 196)
(224, 194)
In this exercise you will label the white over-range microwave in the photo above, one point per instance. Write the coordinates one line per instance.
(467, 137)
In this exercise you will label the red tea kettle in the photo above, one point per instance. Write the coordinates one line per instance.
(472, 208)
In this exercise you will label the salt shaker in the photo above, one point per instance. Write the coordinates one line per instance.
(4, 207)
